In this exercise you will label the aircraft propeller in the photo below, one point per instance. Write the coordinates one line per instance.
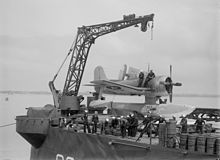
(169, 85)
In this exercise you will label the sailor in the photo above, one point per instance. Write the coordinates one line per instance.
(102, 129)
(85, 122)
(141, 79)
(134, 125)
(183, 124)
(149, 77)
(146, 122)
(114, 122)
(161, 120)
(107, 128)
(95, 120)
(129, 122)
(123, 127)
(199, 125)
(106, 122)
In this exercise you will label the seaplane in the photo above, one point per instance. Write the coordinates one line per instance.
(135, 82)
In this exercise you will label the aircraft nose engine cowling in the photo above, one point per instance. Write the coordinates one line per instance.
(169, 86)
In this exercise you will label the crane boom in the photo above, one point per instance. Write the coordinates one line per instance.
(86, 36)
(69, 101)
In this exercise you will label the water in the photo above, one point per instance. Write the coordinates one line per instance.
(14, 147)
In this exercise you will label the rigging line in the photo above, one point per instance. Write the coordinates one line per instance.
(6, 125)
(71, 49)
(151, 26)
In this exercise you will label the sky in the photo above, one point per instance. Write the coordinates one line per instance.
(35, 37)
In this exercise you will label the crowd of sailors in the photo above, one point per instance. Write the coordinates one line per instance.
(199, 124)
(124, 126)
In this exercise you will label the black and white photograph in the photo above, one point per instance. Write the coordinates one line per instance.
(116, 80)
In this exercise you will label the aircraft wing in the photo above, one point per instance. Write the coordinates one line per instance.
(112, 87)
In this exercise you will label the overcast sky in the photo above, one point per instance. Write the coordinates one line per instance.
(35, 37)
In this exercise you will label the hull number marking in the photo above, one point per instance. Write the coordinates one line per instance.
(61, 157)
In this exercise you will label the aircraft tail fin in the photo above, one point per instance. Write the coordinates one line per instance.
(122, 73)
(99, 73)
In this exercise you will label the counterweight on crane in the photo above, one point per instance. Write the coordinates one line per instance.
(85, 37)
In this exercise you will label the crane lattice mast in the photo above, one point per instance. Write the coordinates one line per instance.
(86, 36)
(69, 101)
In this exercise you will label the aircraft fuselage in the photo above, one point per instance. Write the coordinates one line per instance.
(157, 89)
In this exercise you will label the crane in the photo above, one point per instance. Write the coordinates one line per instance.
(86, 36)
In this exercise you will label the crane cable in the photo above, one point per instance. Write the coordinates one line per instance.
(71, 49)
(152, 26)
(6, 125)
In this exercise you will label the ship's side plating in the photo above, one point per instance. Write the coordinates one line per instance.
(62, 144)
(67, 143)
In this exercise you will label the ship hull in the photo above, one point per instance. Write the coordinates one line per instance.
(62, 144)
